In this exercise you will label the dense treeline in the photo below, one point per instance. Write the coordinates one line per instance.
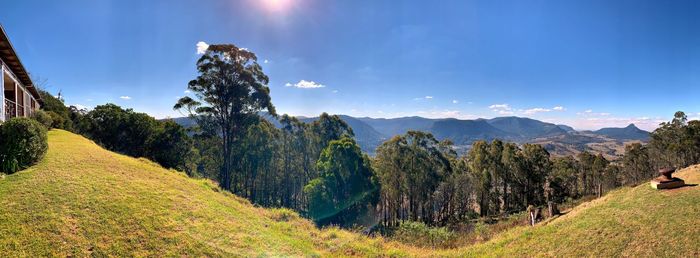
(423, 180)
(318, 169)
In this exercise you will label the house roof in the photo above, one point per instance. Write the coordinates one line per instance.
(10, 58)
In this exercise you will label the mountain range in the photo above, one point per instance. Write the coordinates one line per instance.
(557, 138)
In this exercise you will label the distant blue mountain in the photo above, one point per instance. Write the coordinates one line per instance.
(464, 132)
(396, 126)
(525, 128)
(631, 132)
(567, 128)
(366, 136)
(371, 132)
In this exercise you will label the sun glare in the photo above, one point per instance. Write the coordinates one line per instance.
(276, 5)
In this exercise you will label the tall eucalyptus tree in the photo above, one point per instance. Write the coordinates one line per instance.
(230, 90)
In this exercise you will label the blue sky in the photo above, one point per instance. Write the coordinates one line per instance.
(589, 64)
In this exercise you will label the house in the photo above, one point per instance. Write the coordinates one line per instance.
(19, 96)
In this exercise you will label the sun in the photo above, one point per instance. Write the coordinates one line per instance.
(276, 5)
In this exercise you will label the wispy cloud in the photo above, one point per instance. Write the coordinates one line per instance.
(125, 97)
(335, 91)
(202, 47)
(501, 109)
(536, 110)
(454, 101)
(304, 84)
(590, 113)
(422, 98)
(533, 111)
(446, 113)
(266, 61)
(81, 107)
(188, 91)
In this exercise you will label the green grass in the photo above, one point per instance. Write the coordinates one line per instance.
(82, 200)
(637, 222)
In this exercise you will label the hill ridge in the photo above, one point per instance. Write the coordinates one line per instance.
(372, 132)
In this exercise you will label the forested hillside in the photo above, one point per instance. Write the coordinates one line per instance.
(82, 200)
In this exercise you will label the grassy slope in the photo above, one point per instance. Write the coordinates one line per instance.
(83, 200)
(637, 222)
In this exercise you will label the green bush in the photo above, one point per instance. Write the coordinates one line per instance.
(421, 235)
(43, 118)
(58, 120)
(23, 142)
(170, 146)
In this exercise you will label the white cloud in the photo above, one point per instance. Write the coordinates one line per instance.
(188, 91)
(266, 61)
(501, 109)
(454, 101)
(422, 98)
(500, 106)
(536, 110)
(446, 113)
(202, 47)
(125, 97)
(80, 107)
(304, 84)
(590, 113)
(335, 91)
(533, 111)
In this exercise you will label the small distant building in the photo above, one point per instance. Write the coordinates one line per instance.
(19, 97)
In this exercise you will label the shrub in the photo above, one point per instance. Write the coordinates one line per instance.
(23, 142)
(170, 146)
(120, 130)
(420, 234)
(43, 118)
(283, 214)
(58, 121)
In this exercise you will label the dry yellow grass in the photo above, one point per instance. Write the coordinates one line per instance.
(637, 222)
(82, 200)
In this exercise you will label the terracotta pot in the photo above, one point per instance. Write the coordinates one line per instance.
(666, 172)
